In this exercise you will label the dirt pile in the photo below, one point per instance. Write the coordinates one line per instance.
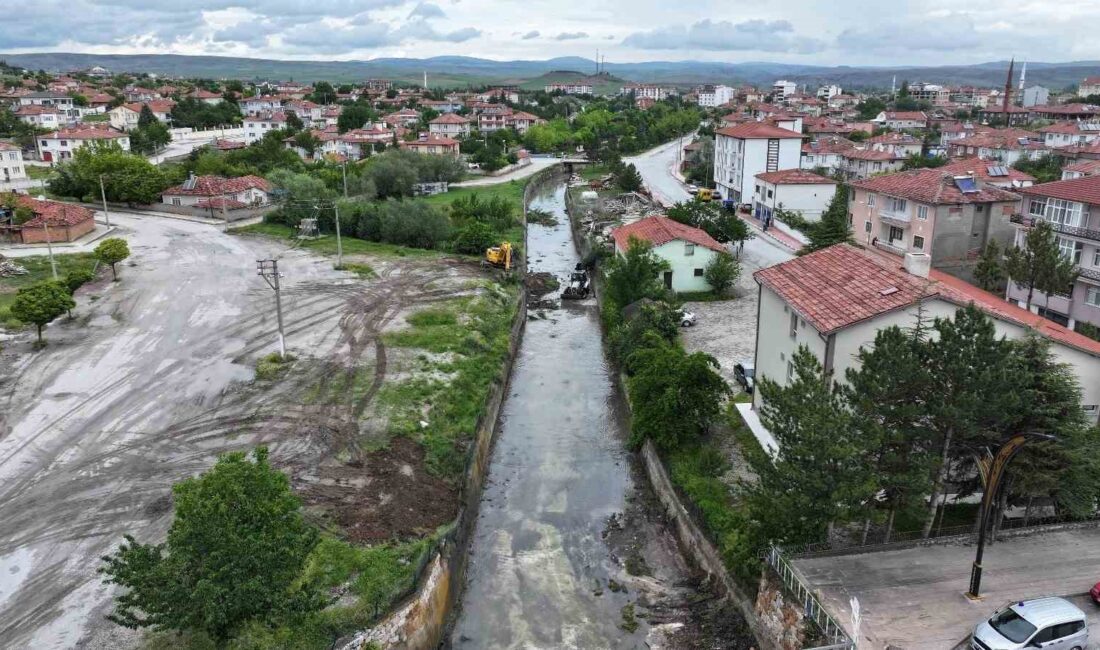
(542, 283)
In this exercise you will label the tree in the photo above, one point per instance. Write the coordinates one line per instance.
(293, 122)
(675, 395)
(723, 225)
(885, 391)
(146, 117)
(302, 194)
(307, 141)
(126, 177)
(918, 161)
(234, 554)
(1039, 264)
(628, 179)
(112, 251)
(989, 271)
(634, 275)
(823, 473)
(722, 272)
(870, 108)
(833, 227)
(40, 303)
(1045, 169)
(354, 116)
(473, 238)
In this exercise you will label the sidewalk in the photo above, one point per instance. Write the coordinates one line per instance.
(773, 233)
(83, 245)
(535, 166)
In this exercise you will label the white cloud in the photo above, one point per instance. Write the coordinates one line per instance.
(724, 36)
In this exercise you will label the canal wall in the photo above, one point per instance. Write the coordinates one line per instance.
(423, 618)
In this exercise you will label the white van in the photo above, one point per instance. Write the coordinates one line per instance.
(1046, 623)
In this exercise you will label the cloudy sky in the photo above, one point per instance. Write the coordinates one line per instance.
(857, 32)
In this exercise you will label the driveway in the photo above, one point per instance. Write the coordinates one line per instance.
(913, 598)
(537, 165)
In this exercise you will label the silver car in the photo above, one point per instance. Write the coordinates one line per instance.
(1046, 623)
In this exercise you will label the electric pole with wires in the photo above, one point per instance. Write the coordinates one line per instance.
(269, 271)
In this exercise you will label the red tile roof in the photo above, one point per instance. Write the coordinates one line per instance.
(931, 186)
(981, 167)
(433, 140)
(7, 146)
(216, 204)
(750, 130)
(913, 116)
(86, 133)
(217, 185)
(155, 105)
(1071, 128)
(871, 154)
(56, 213)
(35, 109)
(794, 177)
(661, 230)
(1083, 190)
(1087, 167)
(202, 93)
(842, 285)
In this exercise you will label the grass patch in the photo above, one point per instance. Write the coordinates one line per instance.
(271, 366)
(362, 270)
(39, 173)
(96, 117)
(512, 191)
(630, 620)
(473, 334)
(326, 244)
(38, 269)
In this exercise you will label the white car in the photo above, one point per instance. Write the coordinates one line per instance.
(687, 319)
(1047, 623)
(692, 188)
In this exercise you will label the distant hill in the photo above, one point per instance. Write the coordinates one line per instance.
(461, 71)
(604, 83)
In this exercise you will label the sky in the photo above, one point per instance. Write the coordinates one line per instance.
(839, 32)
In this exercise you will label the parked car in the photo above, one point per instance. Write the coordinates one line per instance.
(1046, 623)
(687, 318)
(692, 188)
(1095, 593)
(744, 373)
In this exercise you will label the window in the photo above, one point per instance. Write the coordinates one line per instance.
(922, 212)
(176, 201)
(698, 273)
(1070, 249)
(689, 250)
(918, 242)
(979, 208)
(794, 324)
(1092, 296)
(64, 143)
(1063, 630)
(1066, 213)
(896, 234)
(790, 370)
(1037, 207)
(870, 200)
(866, 226)
(1096, 258)
(897, 205)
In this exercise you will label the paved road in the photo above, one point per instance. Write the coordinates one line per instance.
(131, 396)
(913, 598)
(537, 164)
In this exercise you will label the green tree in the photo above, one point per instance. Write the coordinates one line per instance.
(293, 122)
(473, 238)
(303, 194)
(989, 271)
(1039, 264)
(634, 275)
(886, 390)
(675, 395)
(870, 108)
(112, 251)
(307, 141)
(354, 116)
(722, 273)
(126, 177)
(1045, 169)
(833, 227)
(918, 161)
(234, 554)
(822, 475)
(146, 118)
(628, 179)
(40, 303)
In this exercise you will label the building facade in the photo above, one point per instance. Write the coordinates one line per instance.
(743, 151)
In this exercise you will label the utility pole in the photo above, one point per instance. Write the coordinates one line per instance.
(49, 243)
(269, 271)
(103, 195)
(339, 242)
(344, 169)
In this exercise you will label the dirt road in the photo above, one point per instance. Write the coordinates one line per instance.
(152, 381)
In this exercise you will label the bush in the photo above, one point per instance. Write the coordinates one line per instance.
(473, 239)
(77, 278)
(415, 224)
(722, 273)
(659, 318)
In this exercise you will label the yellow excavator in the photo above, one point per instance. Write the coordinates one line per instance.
(500, 256)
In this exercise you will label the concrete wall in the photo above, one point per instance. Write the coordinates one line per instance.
(810, 200)
(684, 266)
(774, 344)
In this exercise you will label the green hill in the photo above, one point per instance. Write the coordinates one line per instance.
(602, 84)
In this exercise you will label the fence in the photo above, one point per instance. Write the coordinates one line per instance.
(966, 533)
(836, 637)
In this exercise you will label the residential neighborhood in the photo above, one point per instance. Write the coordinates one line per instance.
(416, 325)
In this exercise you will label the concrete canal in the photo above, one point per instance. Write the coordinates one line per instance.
(570, 550)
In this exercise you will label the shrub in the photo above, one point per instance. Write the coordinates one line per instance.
(473, 239)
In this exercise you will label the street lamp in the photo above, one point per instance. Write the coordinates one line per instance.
(992, 469)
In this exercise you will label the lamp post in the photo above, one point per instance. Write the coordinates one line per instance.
(992, 468)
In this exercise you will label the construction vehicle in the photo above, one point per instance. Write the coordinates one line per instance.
(704, 194)
(579, 285)
(500, 256)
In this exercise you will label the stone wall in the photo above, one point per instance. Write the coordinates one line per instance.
(781, 619)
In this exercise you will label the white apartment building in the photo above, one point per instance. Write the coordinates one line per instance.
(743, 151)
(711, 96)
(570, 88)
(11, 163)
(257, 126)
(60, 145)
(782, 88)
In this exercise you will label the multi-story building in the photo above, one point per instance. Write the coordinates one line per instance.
(61, 144)
(782, 88)
(860, 163)
(743, 151)
(1072, 208)
(43, 117)
(450, 125)
(125, 117)
(256, 126)
(1068, 134)
(898, 120)
(834, 301)
(711, 96)
(11, 163)
(829, 91)
(793, 190)
(1089, 86)
(826, 154)
(576, 88)
(1005, 146)
(1034, 96)
(934, 94)
(654, 92)
(948, 217)
(433, 144)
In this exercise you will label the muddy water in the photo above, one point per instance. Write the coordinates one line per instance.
(546, 568)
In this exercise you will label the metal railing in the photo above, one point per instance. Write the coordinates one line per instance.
(1074, 231)
(1092, 274)
(836, 637)
(889, 248)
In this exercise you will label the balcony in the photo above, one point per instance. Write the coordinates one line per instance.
(1089, 274)
(895, 218)
(1073, 231)
(889, 248)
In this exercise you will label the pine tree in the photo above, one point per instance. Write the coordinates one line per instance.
(833, 227)
(822, 473)
(1039, 264)
(989, 271)
(146, 117)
